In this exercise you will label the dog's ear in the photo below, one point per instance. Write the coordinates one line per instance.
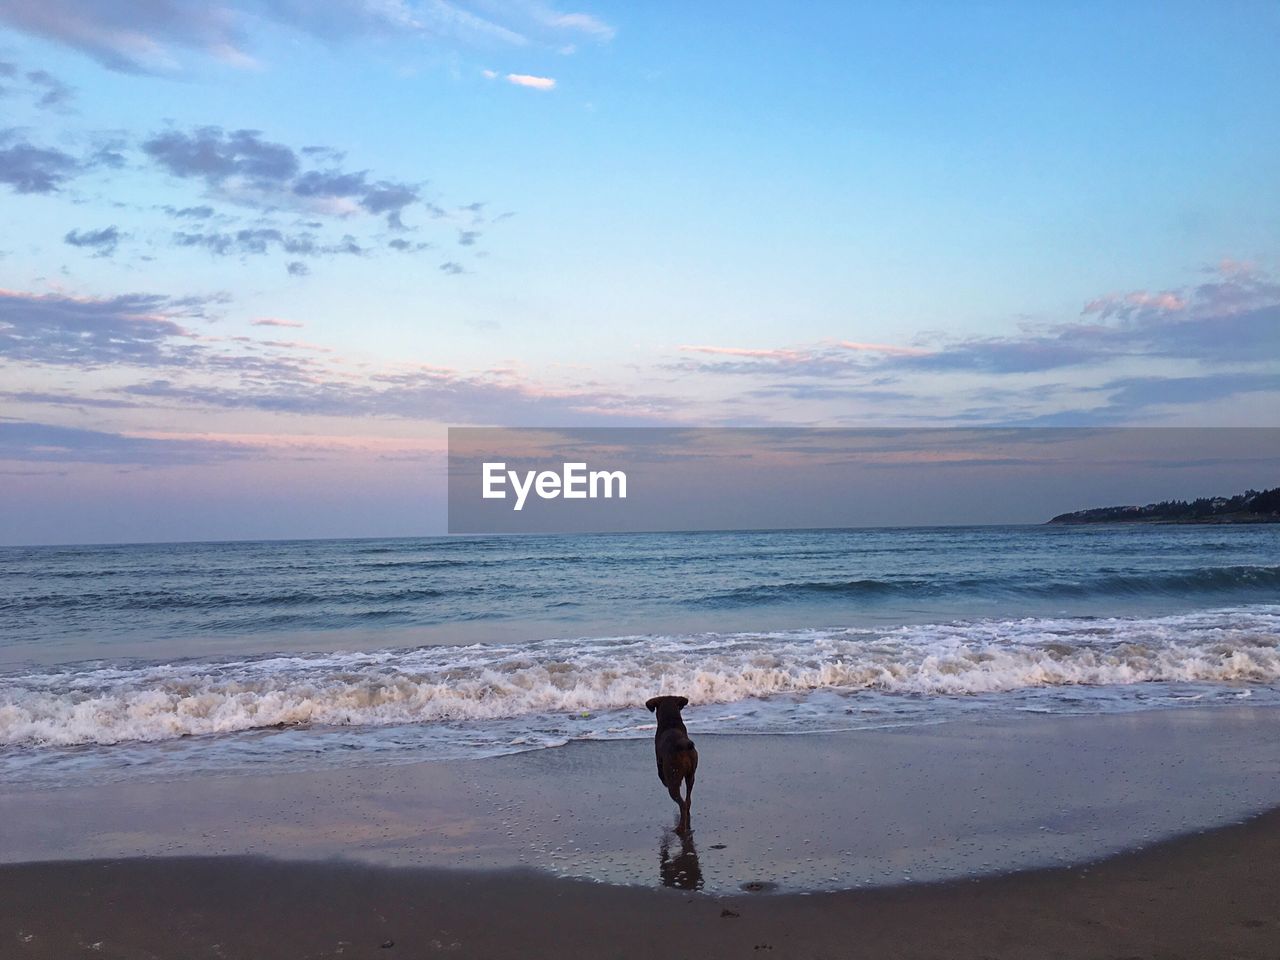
(652, 704)
(684, 702)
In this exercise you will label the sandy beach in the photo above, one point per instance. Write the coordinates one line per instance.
(1210, 895)
(1128, 835)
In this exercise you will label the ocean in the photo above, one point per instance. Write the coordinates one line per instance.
(155, 661)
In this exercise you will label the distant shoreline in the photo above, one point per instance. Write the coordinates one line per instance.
(1252, 506)
(1249, 518)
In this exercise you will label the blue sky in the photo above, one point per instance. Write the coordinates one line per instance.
(258, 254)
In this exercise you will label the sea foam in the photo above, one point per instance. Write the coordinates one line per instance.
(101, 703)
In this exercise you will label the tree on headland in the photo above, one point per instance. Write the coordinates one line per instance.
(1250, 506)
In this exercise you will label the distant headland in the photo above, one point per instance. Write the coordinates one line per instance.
(1252, 506)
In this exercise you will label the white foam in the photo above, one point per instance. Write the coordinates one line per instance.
(107, 705)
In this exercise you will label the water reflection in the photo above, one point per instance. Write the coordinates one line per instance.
(681, 871)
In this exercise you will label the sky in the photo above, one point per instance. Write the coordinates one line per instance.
(256, 256)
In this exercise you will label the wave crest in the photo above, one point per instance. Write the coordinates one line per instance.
(101, 704)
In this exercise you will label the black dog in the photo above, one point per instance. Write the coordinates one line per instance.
(677, 759)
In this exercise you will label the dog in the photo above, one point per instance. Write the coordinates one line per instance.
(677, 758)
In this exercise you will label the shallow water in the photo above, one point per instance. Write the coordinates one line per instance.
(825, 811)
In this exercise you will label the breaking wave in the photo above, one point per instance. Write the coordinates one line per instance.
(104, 703)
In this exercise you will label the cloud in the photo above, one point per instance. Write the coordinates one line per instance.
(31, 169)
(261, 240)
(522, 80)
(1130, 398)
(48, 443)
(1137, 304)
(885, 348)
(537, 20)
(242, 167)
(742, 352)
(53, 93)
(1235, 317)
(150, 37)
(452, 268)
(202, 212)
(426, 394)
(296, 268)
(131, 37)
(1127, 357)
(527, 80)
(215, 156)
(104, 241)
(825, 359)
(408, 246)
(142, 336)
(132, 328)
(46, 90)
(583, 23)
(48, 398)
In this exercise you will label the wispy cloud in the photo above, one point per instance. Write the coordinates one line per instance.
(887, 349)
(824, 359)
(1218, 338)
(49, 443)
(1235, 317)
(50, 92)
(781, 355)
(45, 91)
(165, 359)
(152, 37)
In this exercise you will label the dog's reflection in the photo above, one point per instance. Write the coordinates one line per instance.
(681, 871)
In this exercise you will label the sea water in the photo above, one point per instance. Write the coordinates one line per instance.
(150, 660)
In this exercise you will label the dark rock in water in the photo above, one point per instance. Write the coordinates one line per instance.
(387, 944)
(727, 914)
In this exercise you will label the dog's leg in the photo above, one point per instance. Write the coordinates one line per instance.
(661, 776)
(673, 788)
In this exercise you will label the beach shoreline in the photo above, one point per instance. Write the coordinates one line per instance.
(1150, 834)
(807, 812)
(1203, 894)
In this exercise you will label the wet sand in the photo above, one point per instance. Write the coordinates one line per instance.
(991, 839)
(1207, 895)
(808, 812)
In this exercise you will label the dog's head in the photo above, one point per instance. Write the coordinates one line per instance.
(667, 706)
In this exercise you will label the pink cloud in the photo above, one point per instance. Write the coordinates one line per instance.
(296, 345)
(275, 322)
(1138, 301)
(885, 348)
(534, 83)
(779, 354)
